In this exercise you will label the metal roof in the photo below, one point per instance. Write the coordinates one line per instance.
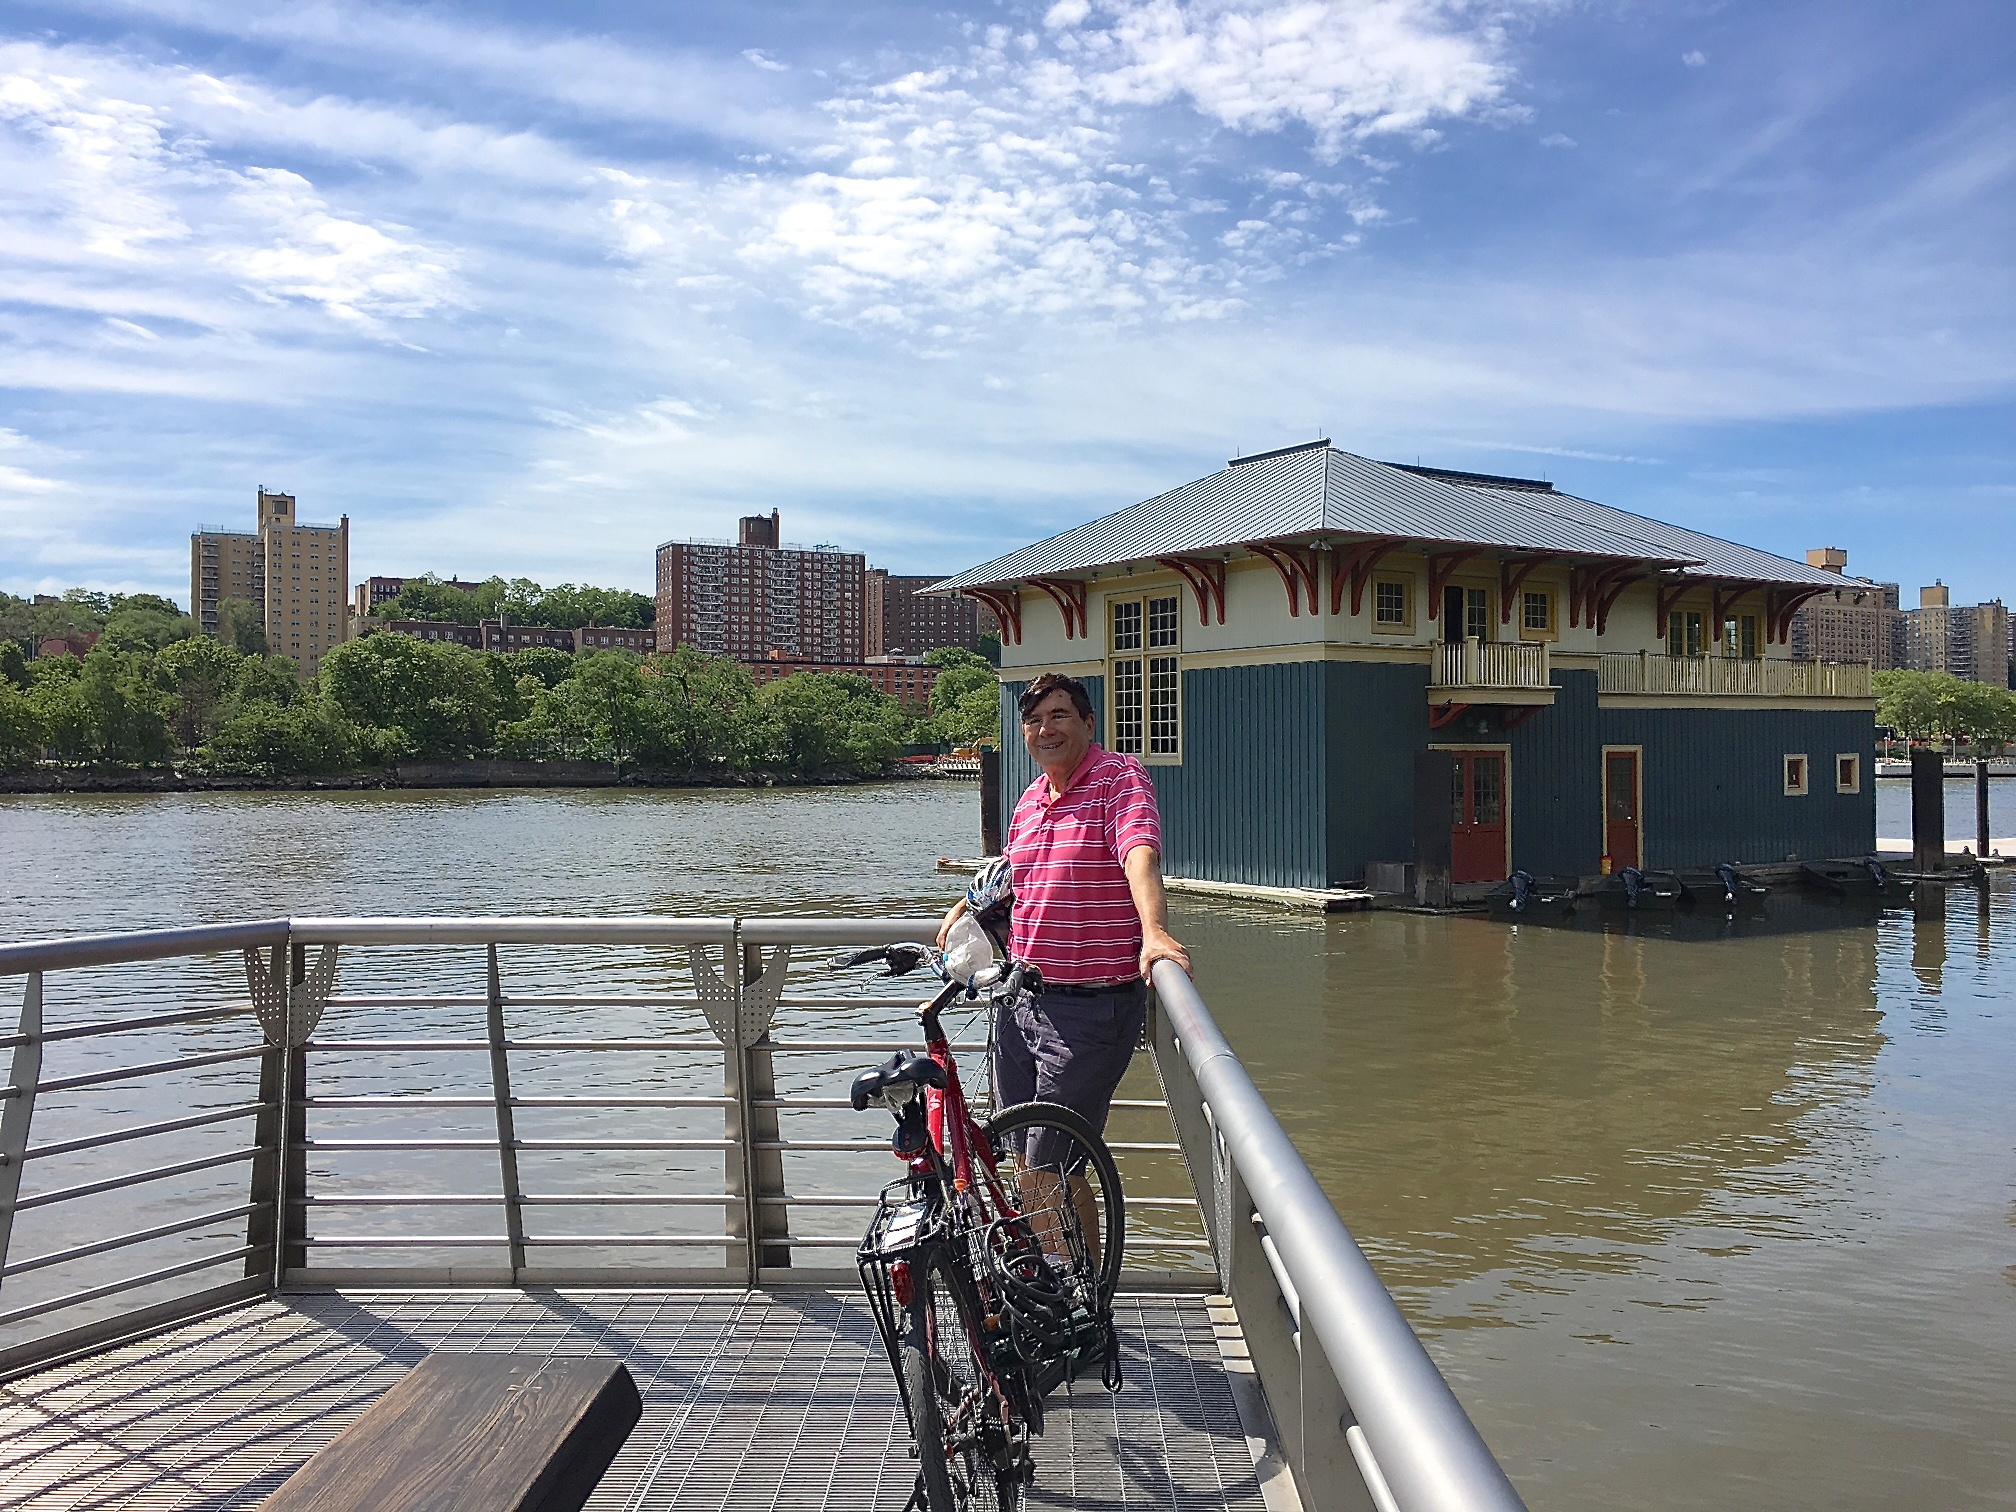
(1319, 492)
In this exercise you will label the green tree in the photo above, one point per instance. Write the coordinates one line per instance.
(265, 679)
(965, 700)
(241, 625)
(1983, 716)
(572, 605)
(146, 622)
(428, 598)
(821, 724)
(13, 663)
(202, 674)
(1932, 705)
(108, 709)
(549, 664)
(707, 700)
(20, 727)
(990, 647)
(306, 736)
(431, 699)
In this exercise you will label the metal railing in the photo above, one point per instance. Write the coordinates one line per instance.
(1366, 1420)
(1475, 663)
(1650, 672)
(654, 1073)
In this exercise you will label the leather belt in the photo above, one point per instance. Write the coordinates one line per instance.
(1091, 989)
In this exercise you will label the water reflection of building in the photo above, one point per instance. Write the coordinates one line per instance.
(1639, 1083)
(1281, 641)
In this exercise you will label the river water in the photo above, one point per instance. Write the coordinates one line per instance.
(1709, 1221)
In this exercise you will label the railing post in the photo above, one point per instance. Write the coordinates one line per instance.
(767, 1221)
(287, 1011)
(1193, 1129)
(507, 1123)
(22, 1076)
(1473, 662)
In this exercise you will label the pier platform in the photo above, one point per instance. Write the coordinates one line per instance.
(779, 1399)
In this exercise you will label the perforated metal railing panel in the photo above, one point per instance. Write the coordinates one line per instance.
(778, 1400)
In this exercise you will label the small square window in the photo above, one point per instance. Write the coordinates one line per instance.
(1795, 777)
(1848, 773)
(1392, 604)
(1536, 611)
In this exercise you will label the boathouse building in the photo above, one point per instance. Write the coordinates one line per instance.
(1277, 642)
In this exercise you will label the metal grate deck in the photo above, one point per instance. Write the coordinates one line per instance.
(780, 1401)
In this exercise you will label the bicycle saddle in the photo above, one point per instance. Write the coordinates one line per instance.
(901, 1071)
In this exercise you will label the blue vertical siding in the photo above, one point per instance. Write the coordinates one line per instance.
(1301, 775)
(1376, 718)
(1715, 785)
(1247, 802)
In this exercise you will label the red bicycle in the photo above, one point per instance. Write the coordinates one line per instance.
(990, 1266)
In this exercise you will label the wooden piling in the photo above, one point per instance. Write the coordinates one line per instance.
(1928, 809)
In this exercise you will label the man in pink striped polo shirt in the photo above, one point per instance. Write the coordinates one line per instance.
(1085, 846)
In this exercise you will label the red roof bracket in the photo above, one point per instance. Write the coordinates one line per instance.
(1600, 607)
(1668, 593)
(1511, 581)
(1007, 606)
(1356, 563)
(1721, 603)
(1441, 565)
(1068, 594)
(1782, 604)
(1445, 714)
(1206, 577)
(1297, 566)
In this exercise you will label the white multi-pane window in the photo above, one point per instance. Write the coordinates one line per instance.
(1146, 681)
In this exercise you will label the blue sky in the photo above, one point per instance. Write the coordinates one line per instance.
(526, 297)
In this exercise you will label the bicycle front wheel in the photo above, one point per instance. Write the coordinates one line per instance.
(962, 1443)
(1066, 1186)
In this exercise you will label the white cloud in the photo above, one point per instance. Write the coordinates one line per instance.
(1345, 69)
(1557, 139)
(357, 272)
(1695, 59)
(757, 56)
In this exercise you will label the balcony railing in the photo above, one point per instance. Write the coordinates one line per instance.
(1474, 663)
(1645, 672)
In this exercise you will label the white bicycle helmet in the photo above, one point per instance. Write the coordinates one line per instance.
(991, 896)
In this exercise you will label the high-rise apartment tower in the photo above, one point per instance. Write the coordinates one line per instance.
(759, 598)
(1857, 622)
(296, 574)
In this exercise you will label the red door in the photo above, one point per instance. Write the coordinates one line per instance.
(1620, 808)
(1477, 838)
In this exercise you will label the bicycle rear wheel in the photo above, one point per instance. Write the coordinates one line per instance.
(1067, 1187)
(962, 1443)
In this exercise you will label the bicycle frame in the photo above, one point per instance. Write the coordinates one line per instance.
(949, 1207)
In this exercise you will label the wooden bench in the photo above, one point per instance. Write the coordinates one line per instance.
(474, 1433)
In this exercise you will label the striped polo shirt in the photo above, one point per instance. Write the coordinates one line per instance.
(1074, 916)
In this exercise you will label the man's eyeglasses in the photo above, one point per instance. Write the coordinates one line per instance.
(1056, 717)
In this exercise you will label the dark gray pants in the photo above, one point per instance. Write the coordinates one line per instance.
(1067, 1048)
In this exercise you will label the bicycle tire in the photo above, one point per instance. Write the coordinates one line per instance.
(1070, 1134)
(939, 1368)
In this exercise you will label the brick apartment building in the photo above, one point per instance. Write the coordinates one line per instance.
(1858, 622)
(1970, 641)
(296, 574)
(904, 679)
(900, 618)
(759, 598)
(494, 635)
